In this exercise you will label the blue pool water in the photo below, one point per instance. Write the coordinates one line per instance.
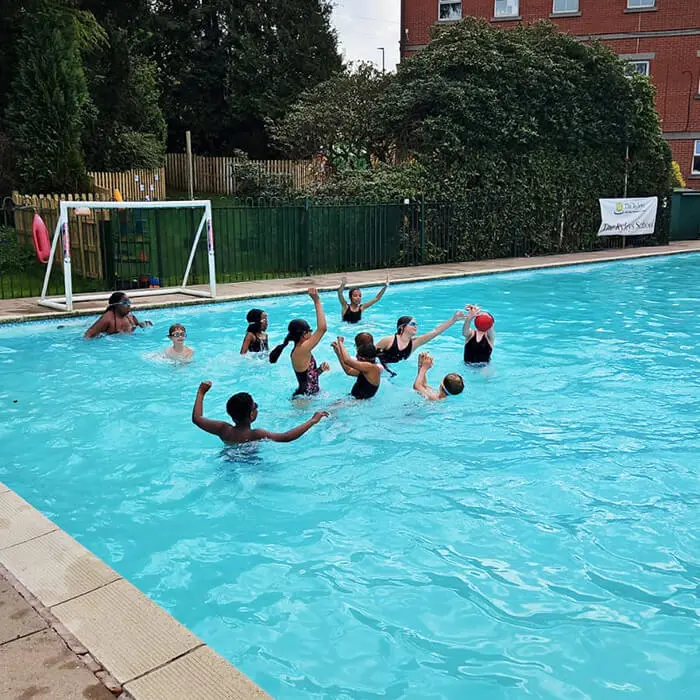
(537, 536)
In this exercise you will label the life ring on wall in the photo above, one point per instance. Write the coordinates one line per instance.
(42, 243)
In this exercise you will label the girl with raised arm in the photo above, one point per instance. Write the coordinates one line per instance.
(480, 340)
(243, 411)
(399, 346)
(352, 312)
(305, 340)
(365, 368)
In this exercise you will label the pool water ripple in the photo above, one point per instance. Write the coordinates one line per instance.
(537, 536)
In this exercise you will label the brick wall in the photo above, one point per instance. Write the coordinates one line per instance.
(674, 69)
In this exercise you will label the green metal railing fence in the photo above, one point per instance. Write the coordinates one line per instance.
(262, 240)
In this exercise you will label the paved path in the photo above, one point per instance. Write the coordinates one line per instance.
(28, 309)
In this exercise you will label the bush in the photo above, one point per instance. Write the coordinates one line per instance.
(13, 256)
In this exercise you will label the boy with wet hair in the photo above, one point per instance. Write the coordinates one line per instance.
(451, 385)
(243, 411)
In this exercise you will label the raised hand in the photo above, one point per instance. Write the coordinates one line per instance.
(313, 293)
(458, 315)
(318, 416)
(204, 387)
(325, 367)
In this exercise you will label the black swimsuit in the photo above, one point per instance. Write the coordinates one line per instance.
(350, 316)
(393, 354)
(258, 344)
(477, 352)
(363, 388)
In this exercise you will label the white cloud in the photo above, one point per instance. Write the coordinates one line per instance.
(365, 25)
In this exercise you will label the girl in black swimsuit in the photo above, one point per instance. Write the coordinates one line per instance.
(479, 341)
(305, 340)
(255, 338)
(352, 312)
(365, 368)
(400, 346)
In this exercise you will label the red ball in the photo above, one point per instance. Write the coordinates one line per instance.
(483, 322)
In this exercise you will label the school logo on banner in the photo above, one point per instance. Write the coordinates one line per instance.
(628, 217)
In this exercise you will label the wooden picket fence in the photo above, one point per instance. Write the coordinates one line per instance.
(133, 185)
(218, 175)
(86, 242)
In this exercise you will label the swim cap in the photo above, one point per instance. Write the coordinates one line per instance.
(483, 322)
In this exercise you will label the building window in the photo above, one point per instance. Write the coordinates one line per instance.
(506, 8)
(641, 67)
(564, 6)
(640, 4)
(696, 159)
(450, 10)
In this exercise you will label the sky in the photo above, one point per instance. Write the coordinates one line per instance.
(365, 25)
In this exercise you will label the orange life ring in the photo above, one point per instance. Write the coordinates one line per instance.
(40, 235)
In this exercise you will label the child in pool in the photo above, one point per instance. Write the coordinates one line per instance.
(451, 385)
(243, 411)
(178, 351)
(365, 368)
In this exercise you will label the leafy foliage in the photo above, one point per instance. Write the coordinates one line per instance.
(13, 256)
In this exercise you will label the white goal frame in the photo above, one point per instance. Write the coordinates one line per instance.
(65, 302)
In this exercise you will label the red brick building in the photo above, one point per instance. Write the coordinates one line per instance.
(659, 38)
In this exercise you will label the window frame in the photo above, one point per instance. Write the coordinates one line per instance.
(442, 3)
(651, 5)
(696, 154)
(513, 15)
(631, 62)
(565, 12)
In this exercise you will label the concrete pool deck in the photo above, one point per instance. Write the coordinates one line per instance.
(72, 627)
(28, 309)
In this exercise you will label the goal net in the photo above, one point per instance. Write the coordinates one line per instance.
(141, 247)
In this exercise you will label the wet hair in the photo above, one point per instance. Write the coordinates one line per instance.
(367, 351)
(115, 299)
(175, 327)
(362, 338)
(254, 318)
(295, 332)
(453, 384)
(403, 321)
(354, 289)
(240, 407)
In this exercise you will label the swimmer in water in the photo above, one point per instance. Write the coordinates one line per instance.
(451, 385)
(365, 368)
(305, 340)
(479, 341)
(352, 312)
(243, 411)
(178, 351)
(399, 346)
(256, 336)
(117, 318)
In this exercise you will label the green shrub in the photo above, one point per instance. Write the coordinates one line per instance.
(13, 256)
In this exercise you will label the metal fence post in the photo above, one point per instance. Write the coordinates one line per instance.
(307, 235)
(422, 230)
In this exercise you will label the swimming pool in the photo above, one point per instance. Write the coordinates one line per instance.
(537, 535)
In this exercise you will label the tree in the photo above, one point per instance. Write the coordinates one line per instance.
(225, 66)
(49, 98)
(340, 117)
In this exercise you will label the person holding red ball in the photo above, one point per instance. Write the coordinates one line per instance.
(480, 339)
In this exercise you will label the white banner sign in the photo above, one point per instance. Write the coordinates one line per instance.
(628, 217)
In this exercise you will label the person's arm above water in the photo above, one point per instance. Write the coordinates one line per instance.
(321, 325)
(427, 337)
(341, 295)
(472, 312)
(100, 326)
(247, 340)
(358, 365)
(380, 294)
(215, 427)
(348, 370)
(292, 434)
(140, 324)
(425, 362)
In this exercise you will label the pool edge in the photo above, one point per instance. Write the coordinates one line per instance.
(91, 607)
(291, 286)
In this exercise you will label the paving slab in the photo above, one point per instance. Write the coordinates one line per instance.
(56, 568)
(125, 631)
(3, 488)
(40, 667)
(200, 675)
(17, 617)
(20, 522)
